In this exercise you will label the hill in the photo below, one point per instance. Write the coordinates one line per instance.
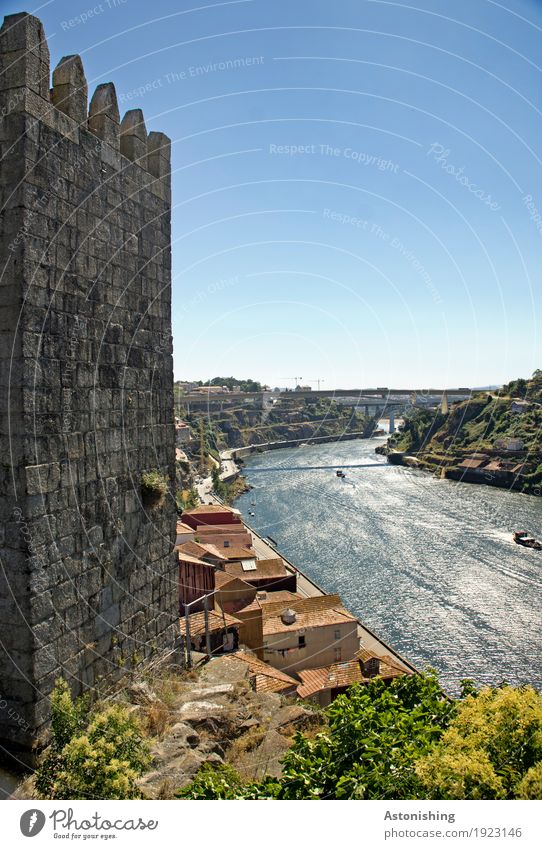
(492, 438)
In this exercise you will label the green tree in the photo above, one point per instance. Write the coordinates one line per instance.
(492, 749)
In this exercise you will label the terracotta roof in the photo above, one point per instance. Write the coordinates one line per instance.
(234, 528)
(233, 553)
(209, 508)
(327, 677)
(267, 569)
(272, 597)
(265, 677)
(195, 549)
(217, 622)
(310, 613)
(469, 463)
(222, 579)
(182, 528)
(342, 674)
(213, 550)
(317, 602)
(386, 662)
(187, 558)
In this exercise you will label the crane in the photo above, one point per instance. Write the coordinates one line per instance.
(296, 379)
(318, 380)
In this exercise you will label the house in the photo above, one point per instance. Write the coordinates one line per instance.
(196, 579)
(208, 553)
(509, 443)
(269, 574)
(239, 598)
(324, 684)
(473, 465)
(232, 593)
(223, 631)
(519, 406)
(182, 432)
(211, 514)
(309, 633)
(264, 678)
(224, 536)
(504, 470)
(184, 533)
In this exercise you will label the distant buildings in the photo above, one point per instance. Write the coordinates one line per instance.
(509, 443)
(519, 406)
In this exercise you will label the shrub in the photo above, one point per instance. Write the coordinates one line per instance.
(492, 749)
(154, 487)
(96, 755)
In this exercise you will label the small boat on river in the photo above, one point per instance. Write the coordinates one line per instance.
(523, 538)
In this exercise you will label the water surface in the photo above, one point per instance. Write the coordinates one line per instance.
(428, 564)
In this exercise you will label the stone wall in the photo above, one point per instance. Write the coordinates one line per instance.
(88, 581)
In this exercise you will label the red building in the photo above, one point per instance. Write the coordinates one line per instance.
(211, 514)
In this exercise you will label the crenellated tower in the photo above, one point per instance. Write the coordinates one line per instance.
(88, 584)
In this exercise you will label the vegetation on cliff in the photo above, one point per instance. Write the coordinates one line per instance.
(405, 741)
(93, 754)
(442, 440)
(292, 418)
(402, 741)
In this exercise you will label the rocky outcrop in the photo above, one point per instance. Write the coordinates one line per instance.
(217, 719)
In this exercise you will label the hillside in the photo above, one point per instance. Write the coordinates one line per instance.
(492, 438)
(292, 418)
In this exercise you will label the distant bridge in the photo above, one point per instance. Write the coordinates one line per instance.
(383, 393)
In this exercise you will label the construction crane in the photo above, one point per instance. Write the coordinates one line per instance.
(318, 380)
(295, 379)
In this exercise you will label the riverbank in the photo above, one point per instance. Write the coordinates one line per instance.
(486, 473)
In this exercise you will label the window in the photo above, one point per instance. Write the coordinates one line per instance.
(337, 635)
(301, 642)
(338, 655)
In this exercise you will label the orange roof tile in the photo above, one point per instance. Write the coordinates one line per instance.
(342, 674)
(182, 528)
(265, 677)
(217, 621)
(265, 569)
(197, 549)
(187, 558)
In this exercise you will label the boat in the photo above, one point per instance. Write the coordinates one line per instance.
(340, 473)
(523, 538)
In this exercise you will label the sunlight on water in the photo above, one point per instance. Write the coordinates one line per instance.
(428, 564)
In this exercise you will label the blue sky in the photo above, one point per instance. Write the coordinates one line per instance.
(356, 184)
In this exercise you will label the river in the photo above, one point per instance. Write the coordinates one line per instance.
(427, 564)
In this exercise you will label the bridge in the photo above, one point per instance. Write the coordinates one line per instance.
(383, 393)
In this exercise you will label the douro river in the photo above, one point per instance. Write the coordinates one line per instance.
(428, 564)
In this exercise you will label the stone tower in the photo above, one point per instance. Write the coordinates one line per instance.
(88, 587)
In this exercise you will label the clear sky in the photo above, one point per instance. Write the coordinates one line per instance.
(356, 182)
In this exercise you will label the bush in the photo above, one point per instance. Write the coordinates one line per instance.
(492, 749)
(96, 755)
(154, 487)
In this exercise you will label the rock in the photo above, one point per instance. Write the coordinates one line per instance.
(211, 691)
(201, 711)
(142, 694)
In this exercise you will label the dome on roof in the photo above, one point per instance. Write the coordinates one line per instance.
(288, 616)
